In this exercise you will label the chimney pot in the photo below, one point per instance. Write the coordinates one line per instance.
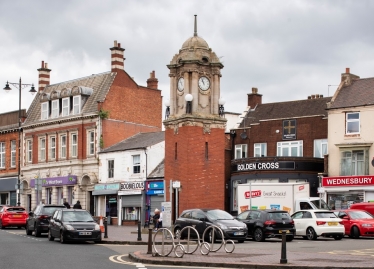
(321, 96)
(309, 97)
(119, 45)
(254, 90)
(42, 64)
(347, 70)
(46, 65)
(115, 43)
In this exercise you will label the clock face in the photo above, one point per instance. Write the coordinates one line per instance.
(204, 83)
(181, 84)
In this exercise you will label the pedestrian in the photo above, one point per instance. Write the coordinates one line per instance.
(66, 204)
(156, 218)
(77, 205)
(160, 221)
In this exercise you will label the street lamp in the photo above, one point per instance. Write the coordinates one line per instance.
(33, 91)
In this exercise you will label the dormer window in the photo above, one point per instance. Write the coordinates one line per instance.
(44, 111)
(55, 109)
(76, 104)
(65, 107)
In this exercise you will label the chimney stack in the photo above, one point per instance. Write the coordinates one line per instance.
(44, 76)
(254, 98)
(117, 57)
(348, 78)
(152, 82)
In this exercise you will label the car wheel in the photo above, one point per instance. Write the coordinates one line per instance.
(258, 235)
(311, 234)
(338, 237)
(62, 238)
(1, 225)
(28, 232)
(37, 231)
(305, 237)
(289, 238)
(50, 237)
(177, 233)
(355, 233)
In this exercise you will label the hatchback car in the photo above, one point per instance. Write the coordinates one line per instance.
(267, 223)
(200, 219)
(356, 222)
(311, 224)
(73, 225)
(38, 219)
(12, 216)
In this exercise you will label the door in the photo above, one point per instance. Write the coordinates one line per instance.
(297, 218)
(199, 221)
(253, 218)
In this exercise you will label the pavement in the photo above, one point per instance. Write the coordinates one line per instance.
(239, 258)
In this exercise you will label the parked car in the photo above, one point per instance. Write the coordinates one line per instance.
(267, 223)
(356, 222)
(12, 216)
(311, 224)
(200, 219)
(73, 225)
(38, 219)
(368, 207)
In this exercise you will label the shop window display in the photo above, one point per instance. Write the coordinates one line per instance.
(343, 200)
(131, 213)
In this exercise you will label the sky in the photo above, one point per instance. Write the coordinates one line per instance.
(289, 50)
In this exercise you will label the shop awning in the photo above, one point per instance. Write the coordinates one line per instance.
(104, 192)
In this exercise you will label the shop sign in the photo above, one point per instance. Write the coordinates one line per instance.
(135, 185)
(155, 192)
(289, 129)
(56, 181)
(266, 166)
(348, 181)
(156, 185)
(101, 187)
(135, 192)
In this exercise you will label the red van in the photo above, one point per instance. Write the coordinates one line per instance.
(369, 207)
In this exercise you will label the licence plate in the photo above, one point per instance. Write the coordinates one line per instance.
(287, 231)
(239, 233)
(17, 216)
(85, 233)
(332, 223)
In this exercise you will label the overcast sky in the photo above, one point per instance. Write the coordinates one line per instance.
(287, 49)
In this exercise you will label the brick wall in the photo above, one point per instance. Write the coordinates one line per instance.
(202, 181)
(7, 138)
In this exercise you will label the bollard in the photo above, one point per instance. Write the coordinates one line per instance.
(105, 228)
(139, 230)
(149, 241)
(283, 253)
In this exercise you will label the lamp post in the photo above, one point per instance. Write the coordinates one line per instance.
(188, 97)
(221, 109)
(167, 111)
(20, 87)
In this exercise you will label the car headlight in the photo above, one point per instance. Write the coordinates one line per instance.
(97, 227)
(223, 227)
(366, 225)
(69, 227)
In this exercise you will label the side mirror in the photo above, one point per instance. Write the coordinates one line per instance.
(345, 217)
(202, 219)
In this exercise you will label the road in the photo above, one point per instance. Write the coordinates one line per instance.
(17, 250)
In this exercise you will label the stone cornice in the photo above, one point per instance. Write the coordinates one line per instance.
(58, 121)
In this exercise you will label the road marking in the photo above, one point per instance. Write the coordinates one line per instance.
(23, 235)
(357, 252)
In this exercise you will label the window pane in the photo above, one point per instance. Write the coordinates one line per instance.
(353, 116)
(353, 127)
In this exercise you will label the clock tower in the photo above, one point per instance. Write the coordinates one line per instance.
(195, 128)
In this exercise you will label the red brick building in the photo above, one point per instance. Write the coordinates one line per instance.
(279, 142)
(69, 122)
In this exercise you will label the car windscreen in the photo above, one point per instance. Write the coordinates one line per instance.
(217, 214)
(77, 216)
(320, 204)
(49, 210)
(278, 216)
(325, 215)
(360, 215)
(15, 209)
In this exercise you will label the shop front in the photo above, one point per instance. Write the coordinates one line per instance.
(55, 189)
(343, 191)
(106, 201)
(8, 194)
(131, 198)
(154, 197)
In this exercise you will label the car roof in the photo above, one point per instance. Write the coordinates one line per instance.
(268, 210)
(52, 205)
(349, 210)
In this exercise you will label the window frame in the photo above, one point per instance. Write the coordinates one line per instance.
(52, 148)
(135, 164)
(289, 144)
(349, 122)
(42, 149)
(262, 147)
(65, 107)
(55, 109)
(44, 111)
(110, 168)
(63, 146)
(13, 153)
(354, 163)
(2, 155)
(29, 151)
(78, 105)
(74, 146)
(91, 143)
(319, 144)
(239, 147)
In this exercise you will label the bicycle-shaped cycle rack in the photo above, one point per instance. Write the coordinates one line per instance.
(179, 249)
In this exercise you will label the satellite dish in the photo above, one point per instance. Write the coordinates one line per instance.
(243, 135)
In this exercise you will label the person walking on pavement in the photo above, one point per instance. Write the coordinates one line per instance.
(77, 205)
(156, 218)
(66, 204)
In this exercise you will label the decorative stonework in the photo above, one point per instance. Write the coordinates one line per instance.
(206, 128)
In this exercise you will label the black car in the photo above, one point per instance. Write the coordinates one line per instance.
(73, 225)
(267, 223)
(38, 219)
(200, 219)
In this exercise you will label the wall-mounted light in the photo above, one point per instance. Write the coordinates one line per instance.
(167, 111)
(188, 99)
(221, 109)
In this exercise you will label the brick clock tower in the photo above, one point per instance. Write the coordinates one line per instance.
(195, 128)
